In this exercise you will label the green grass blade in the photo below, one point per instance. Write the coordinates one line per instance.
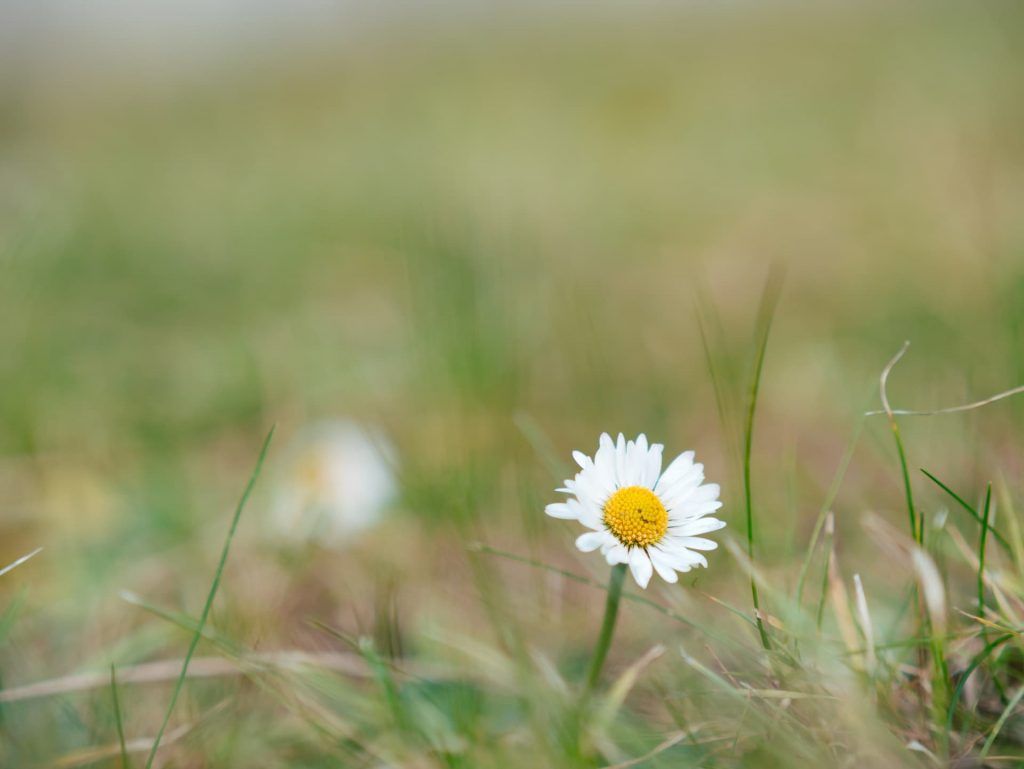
(916, 526)
(819, 614)
(382, 675)
(10, 614)
(125, 762)
(725, 397)
(1008, 711)
(186, 623)
(209, 598)
(979, 658)
(981, 552)
(1003, 541)
(826, 505)
(766, 312)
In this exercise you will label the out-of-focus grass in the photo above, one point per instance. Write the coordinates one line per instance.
(489, 241)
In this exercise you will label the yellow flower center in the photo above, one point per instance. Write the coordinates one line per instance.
(636, 516)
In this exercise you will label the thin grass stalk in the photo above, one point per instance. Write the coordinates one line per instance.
(1002, 540)
(916, 530)
(209, 598)
(1008, 711)
(916, 526)
(386, 682)
(724, 398)
(981, 552)
(824, 511)
(829, 547)
(940, 672)
(766, 313)
(979, 658)
(118, 720)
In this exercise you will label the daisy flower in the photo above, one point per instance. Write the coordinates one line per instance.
(637, 514)
(337, 482)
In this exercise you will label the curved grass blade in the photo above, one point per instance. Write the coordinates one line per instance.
(1010, 709)
(916, 525)
(978, 659)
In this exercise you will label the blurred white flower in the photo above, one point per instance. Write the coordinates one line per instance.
(337, 481)
(638, 514)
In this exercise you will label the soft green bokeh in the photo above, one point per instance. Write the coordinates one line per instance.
(490, 242)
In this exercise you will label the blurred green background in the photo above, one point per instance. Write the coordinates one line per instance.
(489, 239)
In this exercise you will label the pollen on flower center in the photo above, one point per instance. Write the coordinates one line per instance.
(635, 516)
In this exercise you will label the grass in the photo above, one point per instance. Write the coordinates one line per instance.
(198, 634)
(765, 315)
(116, 704)
(490, 248)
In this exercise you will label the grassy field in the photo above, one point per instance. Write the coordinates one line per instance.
(487, 243)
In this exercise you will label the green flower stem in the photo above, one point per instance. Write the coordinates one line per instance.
(604, 640)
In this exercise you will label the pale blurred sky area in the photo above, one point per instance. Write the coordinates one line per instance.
(179, 36)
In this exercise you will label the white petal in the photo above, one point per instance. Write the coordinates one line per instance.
(675, 470)
(581, 459)
(591, 540)
(562, 510)
(709, 492)
(698, 526)
(698, 543)
(590, 490)
(698, 558)
(641, 459)
(634, 464)
(620, 460)
(616, 554)
(686, 485)
(687, 512)
(653, 466)
(643, 454)
(679, 558)
(662, 566)
(604, 460)
(626, 477)
(641, 566)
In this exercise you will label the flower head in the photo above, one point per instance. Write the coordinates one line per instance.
(638, 514)
(337, 482)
